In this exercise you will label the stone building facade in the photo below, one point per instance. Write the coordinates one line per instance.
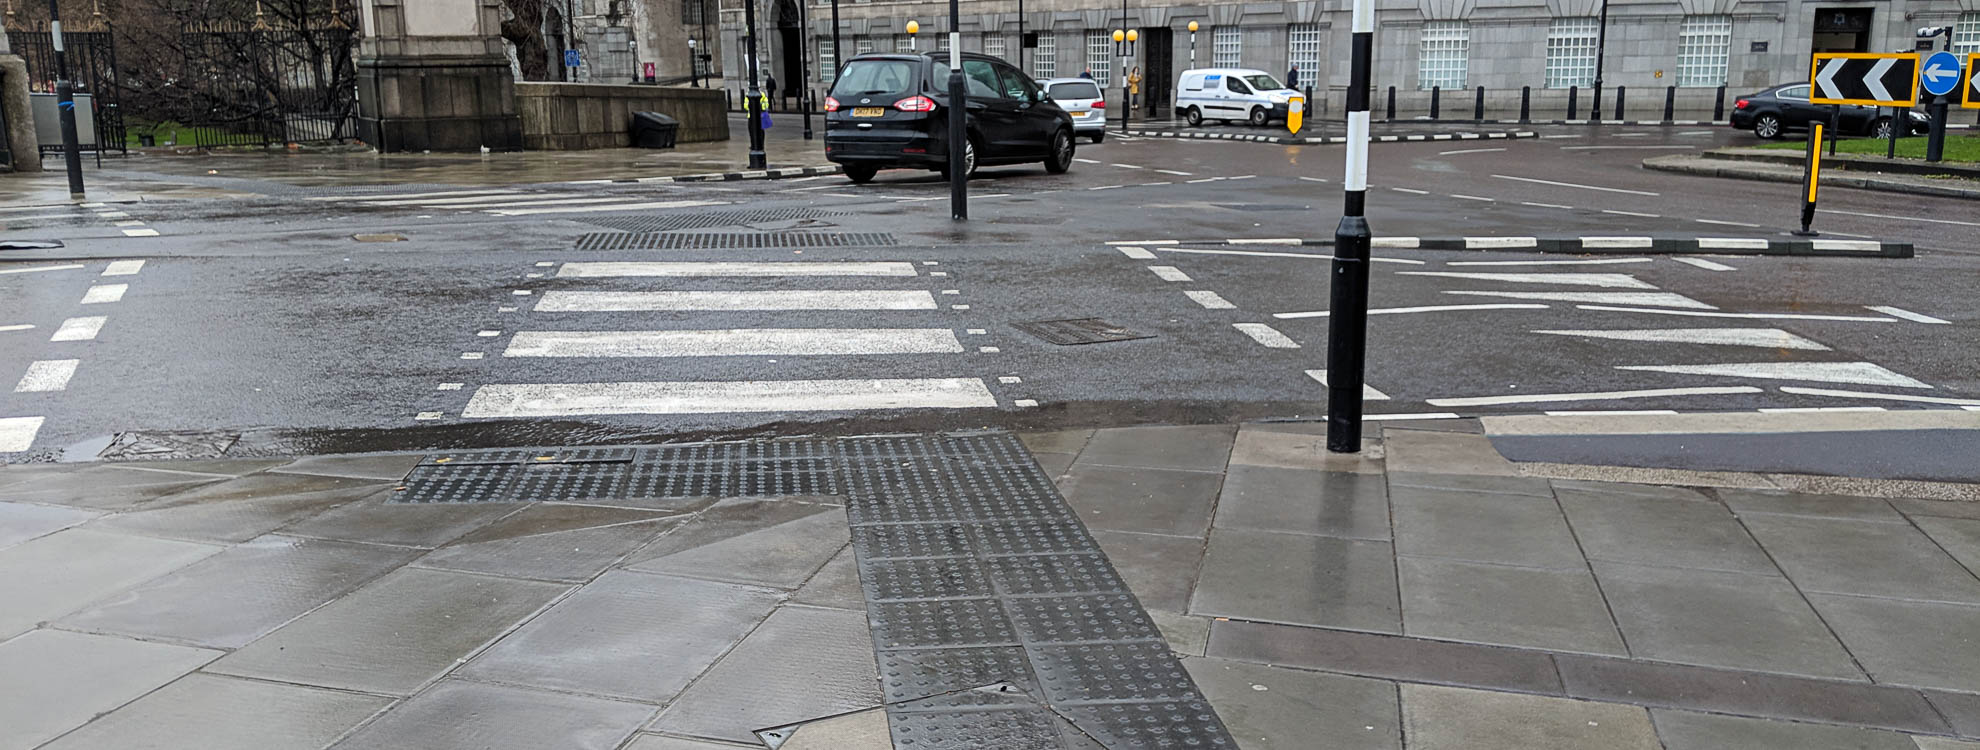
(619, 39)
(1456, 45)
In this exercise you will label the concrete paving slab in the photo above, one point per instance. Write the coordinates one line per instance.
(1446, 718)
(20, 522)
(1479, 527)
(1154, 501)
(783, 556)
(1054, 464)
(859, 730)
(1299, 447)
(1160, 570)
(1960, 537)
(236, 596)
(730, 518)
(424, 526)
(1849, 556)
(1653, 491)
(1190, 447)
(1273, 708)
(209, 712)
(645, 741)
(387, 468)
(242, 509)
(103, 487)
(1922, 644)
(1298, 579)
(503, 718)
(1265, 498)
(1558, 610)
(552, 542)
(1688, 730)
(53, 681)
(1799, 504)
(1941, 743)
(54, 575)
(1473, 483)
(836, 585)
(1962, 710)
(1939, 508)
(1721, 620)
(1759, 694)
(1188, 635)
(1386, 656)
(1685, 533)
(763, 683)
(1056, 441)
(393, 635)
(1424, 451)
(629, 635)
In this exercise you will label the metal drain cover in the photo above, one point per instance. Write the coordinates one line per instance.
(1081, 331)
(709, 219)
(729, 240)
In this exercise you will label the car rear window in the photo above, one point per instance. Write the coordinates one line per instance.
(1078, 90)
(874, 78)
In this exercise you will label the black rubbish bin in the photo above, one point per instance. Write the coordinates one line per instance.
(654, 130)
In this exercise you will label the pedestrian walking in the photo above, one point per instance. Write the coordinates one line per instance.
(770, 82)
(1134, 86)
(1292, 78)
(1086, 74)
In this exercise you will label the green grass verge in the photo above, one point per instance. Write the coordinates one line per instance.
(1964, 148)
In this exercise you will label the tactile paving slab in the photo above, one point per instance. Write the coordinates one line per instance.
(924, 578)
(570, 482)
(708, 219)
(1079, 573)
(929, 624)
(466, 483)
(908, 674)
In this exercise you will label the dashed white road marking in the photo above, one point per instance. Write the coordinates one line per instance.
(1703, 263)
(17, 433)
(1900, 312)
(1542, 398)
(1606, 280)
(1271, 254)
(47, 375)
(79, 329)
(1126, 166)
(1575, 185)
(474, 201)
(613, 207)
(1169, 273)
(1621, 148)
(394, 196)
(1750, 316)
(1819, 409)
(1661, 299)
(1594, 262)
(579, 399)
(1861, 373)
(1136, 253)
(1084, 160)
(1473, 198)
(104, 294)
(39, 269)
(1411, 191)
(1210, 300)
(140, 233)
(1406, 310)
(577, 301)
(1313, 179)
(734, 342)
(1368, 392)
(1768, 338)
(613, 269)
(1266, 335)
(1106, 187)
(1470, 151)
(1630, 213)
(21, 327)
(1177, 173)
(1402, 417)
(1267, 241)
(1546, 205)
(1609, 413)
(124, 268)
(1801, 391)
(1724, 223)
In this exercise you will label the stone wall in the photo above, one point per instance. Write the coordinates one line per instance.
(575, 116)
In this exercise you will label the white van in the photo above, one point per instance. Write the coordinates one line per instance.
(1232, 94)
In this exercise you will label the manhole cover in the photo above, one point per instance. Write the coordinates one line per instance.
(1081, 331)
(157, 446)
(729, 240)
(1262, 206)
(708, 219)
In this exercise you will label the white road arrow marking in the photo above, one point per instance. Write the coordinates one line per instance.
(1875, 79)
(1827, 78)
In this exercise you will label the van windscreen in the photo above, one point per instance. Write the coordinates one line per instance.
(875, 78)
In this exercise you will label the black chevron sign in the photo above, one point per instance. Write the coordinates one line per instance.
(1970, 97)
(1869, 79)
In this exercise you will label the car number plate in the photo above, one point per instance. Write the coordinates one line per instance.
(869, 111)
(1079, 113)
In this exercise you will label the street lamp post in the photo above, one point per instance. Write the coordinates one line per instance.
(1124, 47)
(1347, 325)
(753, 104)
(958, 134)
(65, 98)
(838, 52)
(1023, 59)
(913, 28)
(1601, 53)
(694, 67)
(1192, 47)
(803, 55)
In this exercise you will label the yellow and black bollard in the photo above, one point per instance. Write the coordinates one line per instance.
(1814, 180)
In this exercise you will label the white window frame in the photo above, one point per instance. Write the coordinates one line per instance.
(1966, 34)
(1443, 57)
(993, 44)
(1571, 51)
(1704, 50)
(1100, 56)
(828, 61)
(1045, 56)
(1227, 46)
(862, 44)
(1303, 50)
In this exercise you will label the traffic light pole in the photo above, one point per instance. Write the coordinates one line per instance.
(65, 97)
(1347, 325)
(958, 108)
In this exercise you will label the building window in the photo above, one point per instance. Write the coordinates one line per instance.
(1966, 34)
(1045, 56)
(1099, 54)
(1226, 46)
(1303, 50)
(1704, 43)
(1571, 52)
(993, 45)
(1444, 56)
(692, 12)
(828, 61)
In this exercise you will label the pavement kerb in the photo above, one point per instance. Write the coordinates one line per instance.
(1704, 167)
(1584, 245)
(1293, 140)
(780, 173)
(1870, 163)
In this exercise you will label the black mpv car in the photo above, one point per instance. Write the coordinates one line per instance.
(1782, 108)
(892, 110)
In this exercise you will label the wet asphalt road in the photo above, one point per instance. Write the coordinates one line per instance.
(260, 316)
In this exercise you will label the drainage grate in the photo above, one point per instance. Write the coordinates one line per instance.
(709, 219)
(157, 446)
(1080, 331)
(729, 240)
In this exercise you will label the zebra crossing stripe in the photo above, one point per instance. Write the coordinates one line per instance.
(613, 207)
(48, 375)
(1657, 299)
(1607, 280)
(471, 199)
(592, 399)
(395, 196)
(1861, 373)
(79, 329)
(614, 269)
(17, 433)
(1766, 338)
(1267, 335)
(561, 301)
(734, 342)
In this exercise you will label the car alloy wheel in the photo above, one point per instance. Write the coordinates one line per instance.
(1882, 128)
(1062, 153)
(1768, 126)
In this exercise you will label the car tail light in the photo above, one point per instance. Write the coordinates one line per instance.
(1100, 104)
(1741, 104)
(915, 104)
(831, 104)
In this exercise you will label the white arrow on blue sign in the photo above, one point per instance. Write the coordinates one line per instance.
(571, 58)
(1940, 74)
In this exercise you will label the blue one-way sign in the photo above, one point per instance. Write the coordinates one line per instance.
(570, 58)
(1940, 74)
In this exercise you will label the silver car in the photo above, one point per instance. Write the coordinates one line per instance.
(1081, 98)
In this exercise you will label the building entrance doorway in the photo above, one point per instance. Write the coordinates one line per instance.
(1842, 30)
(1158, 68)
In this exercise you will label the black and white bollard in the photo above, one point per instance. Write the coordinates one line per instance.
(1347, 325)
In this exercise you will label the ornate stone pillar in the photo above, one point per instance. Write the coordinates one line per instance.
(434, 75)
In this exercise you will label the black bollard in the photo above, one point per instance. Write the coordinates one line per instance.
(1719, 105)
(1620, 91)
(1478, 105)
(1392, 104)
(1525, 104)
(1436, 95)
(1670, 102)
(1574, 92)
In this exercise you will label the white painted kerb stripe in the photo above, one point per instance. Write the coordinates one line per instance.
(578, 399)
(596, 270)
(1368, 392)
(1900, 312)
(1405, 310)
(1541, 398)
(1606, 280)
(79, 329)
(104, 293)
(1966, 402)
(17, 433)
(558, 301)
(733, 343)
(1617, 242)
(1266, 335)
(124, 268)
(47, 375)
(614, 207)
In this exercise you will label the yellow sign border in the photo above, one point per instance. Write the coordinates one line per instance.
(1295, 113)
(1815, 64)
(1967, 98)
